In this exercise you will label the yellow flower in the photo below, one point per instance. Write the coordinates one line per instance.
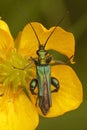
(16, 110)
(70, 94)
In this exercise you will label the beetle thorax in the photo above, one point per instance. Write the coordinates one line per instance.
(41, 55)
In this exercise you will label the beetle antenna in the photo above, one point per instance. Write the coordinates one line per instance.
(27, 20)
(35, 34)
(55, 27)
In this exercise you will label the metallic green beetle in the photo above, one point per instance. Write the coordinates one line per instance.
(44, 79)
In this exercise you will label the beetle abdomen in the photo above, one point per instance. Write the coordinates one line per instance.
(44, 101)
(44, 84)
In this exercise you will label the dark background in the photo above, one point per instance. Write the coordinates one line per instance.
(17, 13)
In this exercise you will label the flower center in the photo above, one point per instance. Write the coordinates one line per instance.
(13, 70)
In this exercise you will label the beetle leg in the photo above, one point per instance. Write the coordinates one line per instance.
(49, 58)
(34, 60)
(33, 85)
(59, 62)
(55, 83)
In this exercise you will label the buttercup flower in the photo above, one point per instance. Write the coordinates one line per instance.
(17, 105)
(16, 110)
(70, 93)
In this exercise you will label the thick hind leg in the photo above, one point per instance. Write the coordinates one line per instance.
(33, 85)
(55, 83)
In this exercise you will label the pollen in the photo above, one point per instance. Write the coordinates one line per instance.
(11, 72)
(17, 73)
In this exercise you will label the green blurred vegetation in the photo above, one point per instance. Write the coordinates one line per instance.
(48, 12)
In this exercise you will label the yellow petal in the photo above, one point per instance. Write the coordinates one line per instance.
(4, 26)
(60, 40)
(28, 42)
(6, 42)
(17, 40)
(70, 94)
(17, 112)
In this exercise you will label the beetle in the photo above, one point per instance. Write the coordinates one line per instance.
(44, 79)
